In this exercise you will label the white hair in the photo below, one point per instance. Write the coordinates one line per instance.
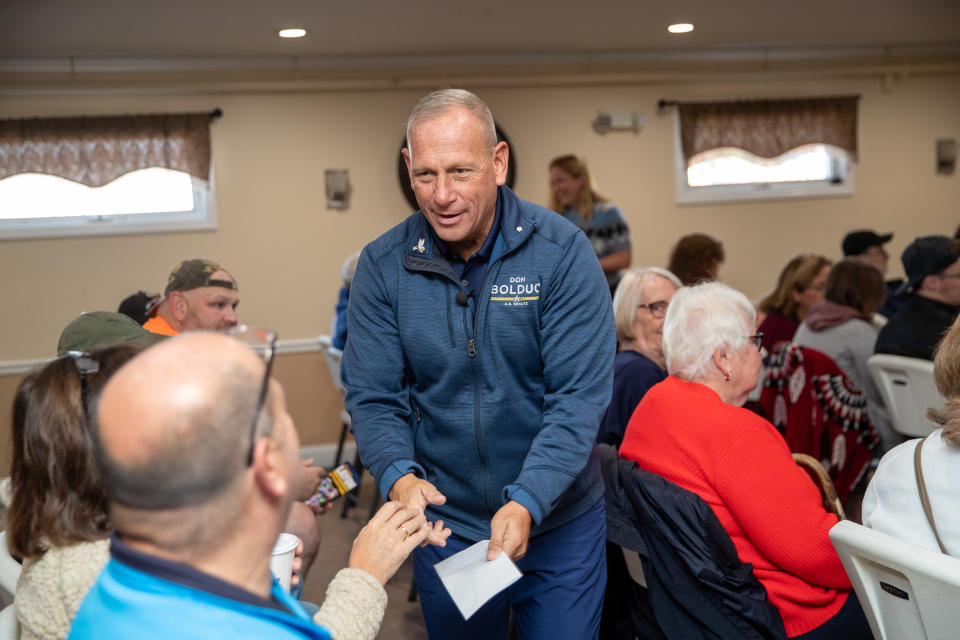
(439, 102)
(629, 295)
(701, 319)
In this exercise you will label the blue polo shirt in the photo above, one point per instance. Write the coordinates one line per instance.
(472, 271)
(145, 597)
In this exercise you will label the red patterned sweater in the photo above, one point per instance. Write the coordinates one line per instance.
(740, 465)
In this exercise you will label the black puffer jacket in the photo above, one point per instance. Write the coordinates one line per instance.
(698, 588)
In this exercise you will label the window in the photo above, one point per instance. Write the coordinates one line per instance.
(764, 149)
(105, 175)
(729, 174)
(146, 200)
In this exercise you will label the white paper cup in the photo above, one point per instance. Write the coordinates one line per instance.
(281, 560)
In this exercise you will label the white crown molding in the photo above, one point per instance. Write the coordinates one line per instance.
(82, 65)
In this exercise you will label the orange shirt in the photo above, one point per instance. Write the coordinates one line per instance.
(156, 324)
(741, 466)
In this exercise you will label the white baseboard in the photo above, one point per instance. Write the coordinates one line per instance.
(323, 454)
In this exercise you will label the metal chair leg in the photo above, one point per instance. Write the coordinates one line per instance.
(350, 499)
(341, 443)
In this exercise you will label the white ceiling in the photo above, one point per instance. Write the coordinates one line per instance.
(238, 28)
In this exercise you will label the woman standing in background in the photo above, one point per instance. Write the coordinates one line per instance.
(572, 196)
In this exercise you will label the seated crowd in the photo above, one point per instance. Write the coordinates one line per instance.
(96, 509)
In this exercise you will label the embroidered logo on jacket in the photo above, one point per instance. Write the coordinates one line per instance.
(517, 293)
(419, 247)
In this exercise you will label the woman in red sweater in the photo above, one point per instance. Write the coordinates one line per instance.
(691, 430)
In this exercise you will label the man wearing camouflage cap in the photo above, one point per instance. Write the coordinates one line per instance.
(200, 295)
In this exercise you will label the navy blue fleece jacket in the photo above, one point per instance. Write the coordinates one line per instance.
(490, 404)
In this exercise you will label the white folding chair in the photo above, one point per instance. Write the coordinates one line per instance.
(906, 591)
(333, 356)
(9, 574)
(908, 390)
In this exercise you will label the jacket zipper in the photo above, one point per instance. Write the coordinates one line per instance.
(478, 432)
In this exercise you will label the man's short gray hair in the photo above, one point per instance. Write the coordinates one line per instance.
(701, 319)
(629, 295)
(439, 102)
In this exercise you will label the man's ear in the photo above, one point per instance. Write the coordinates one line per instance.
(501, 160)
(179, 306)
(406, 158)
(268, 468)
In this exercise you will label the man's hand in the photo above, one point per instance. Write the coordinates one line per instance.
(416, 493)
(309, 479)
(509, 531)
(297, 563)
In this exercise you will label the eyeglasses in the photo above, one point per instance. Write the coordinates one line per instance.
(85, 365)
(756, 339)
(263, 342)
(657, 309)
(948, 275)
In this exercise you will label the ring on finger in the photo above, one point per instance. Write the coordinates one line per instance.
(406, 534)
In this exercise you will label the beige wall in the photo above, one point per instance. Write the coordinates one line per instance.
(285, 248)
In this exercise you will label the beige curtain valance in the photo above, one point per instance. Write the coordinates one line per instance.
(95, 150)
(768, 128)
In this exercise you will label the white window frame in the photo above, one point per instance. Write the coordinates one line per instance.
(716, 194)
(203, 217)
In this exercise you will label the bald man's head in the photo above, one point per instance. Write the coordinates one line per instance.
(173, 424)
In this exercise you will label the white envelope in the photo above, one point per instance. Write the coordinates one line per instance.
(471, 580)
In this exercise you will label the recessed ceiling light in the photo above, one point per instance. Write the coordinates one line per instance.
(296, 32)
(682, 27)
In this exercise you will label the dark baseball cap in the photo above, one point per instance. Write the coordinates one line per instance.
(103, 329)
(856, 242)
(927, 256)
(194, 273)
(139, 305)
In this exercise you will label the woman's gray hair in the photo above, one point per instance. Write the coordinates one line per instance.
(439, 102)
(629, 295)
(701, 319)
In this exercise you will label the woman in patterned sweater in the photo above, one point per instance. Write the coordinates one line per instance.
(572, 196)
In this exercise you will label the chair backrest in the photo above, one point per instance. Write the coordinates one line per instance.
(820, 412)
(831, 501)
(908, 390)
(9, 568)
(333, 356)
(9, 627)
(9, 574)
(906, 591)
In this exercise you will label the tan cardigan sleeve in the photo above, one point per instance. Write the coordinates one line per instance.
(354, 606)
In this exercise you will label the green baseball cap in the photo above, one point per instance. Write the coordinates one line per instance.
(102, 329)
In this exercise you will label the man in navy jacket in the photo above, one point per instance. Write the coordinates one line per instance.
(477, 366)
